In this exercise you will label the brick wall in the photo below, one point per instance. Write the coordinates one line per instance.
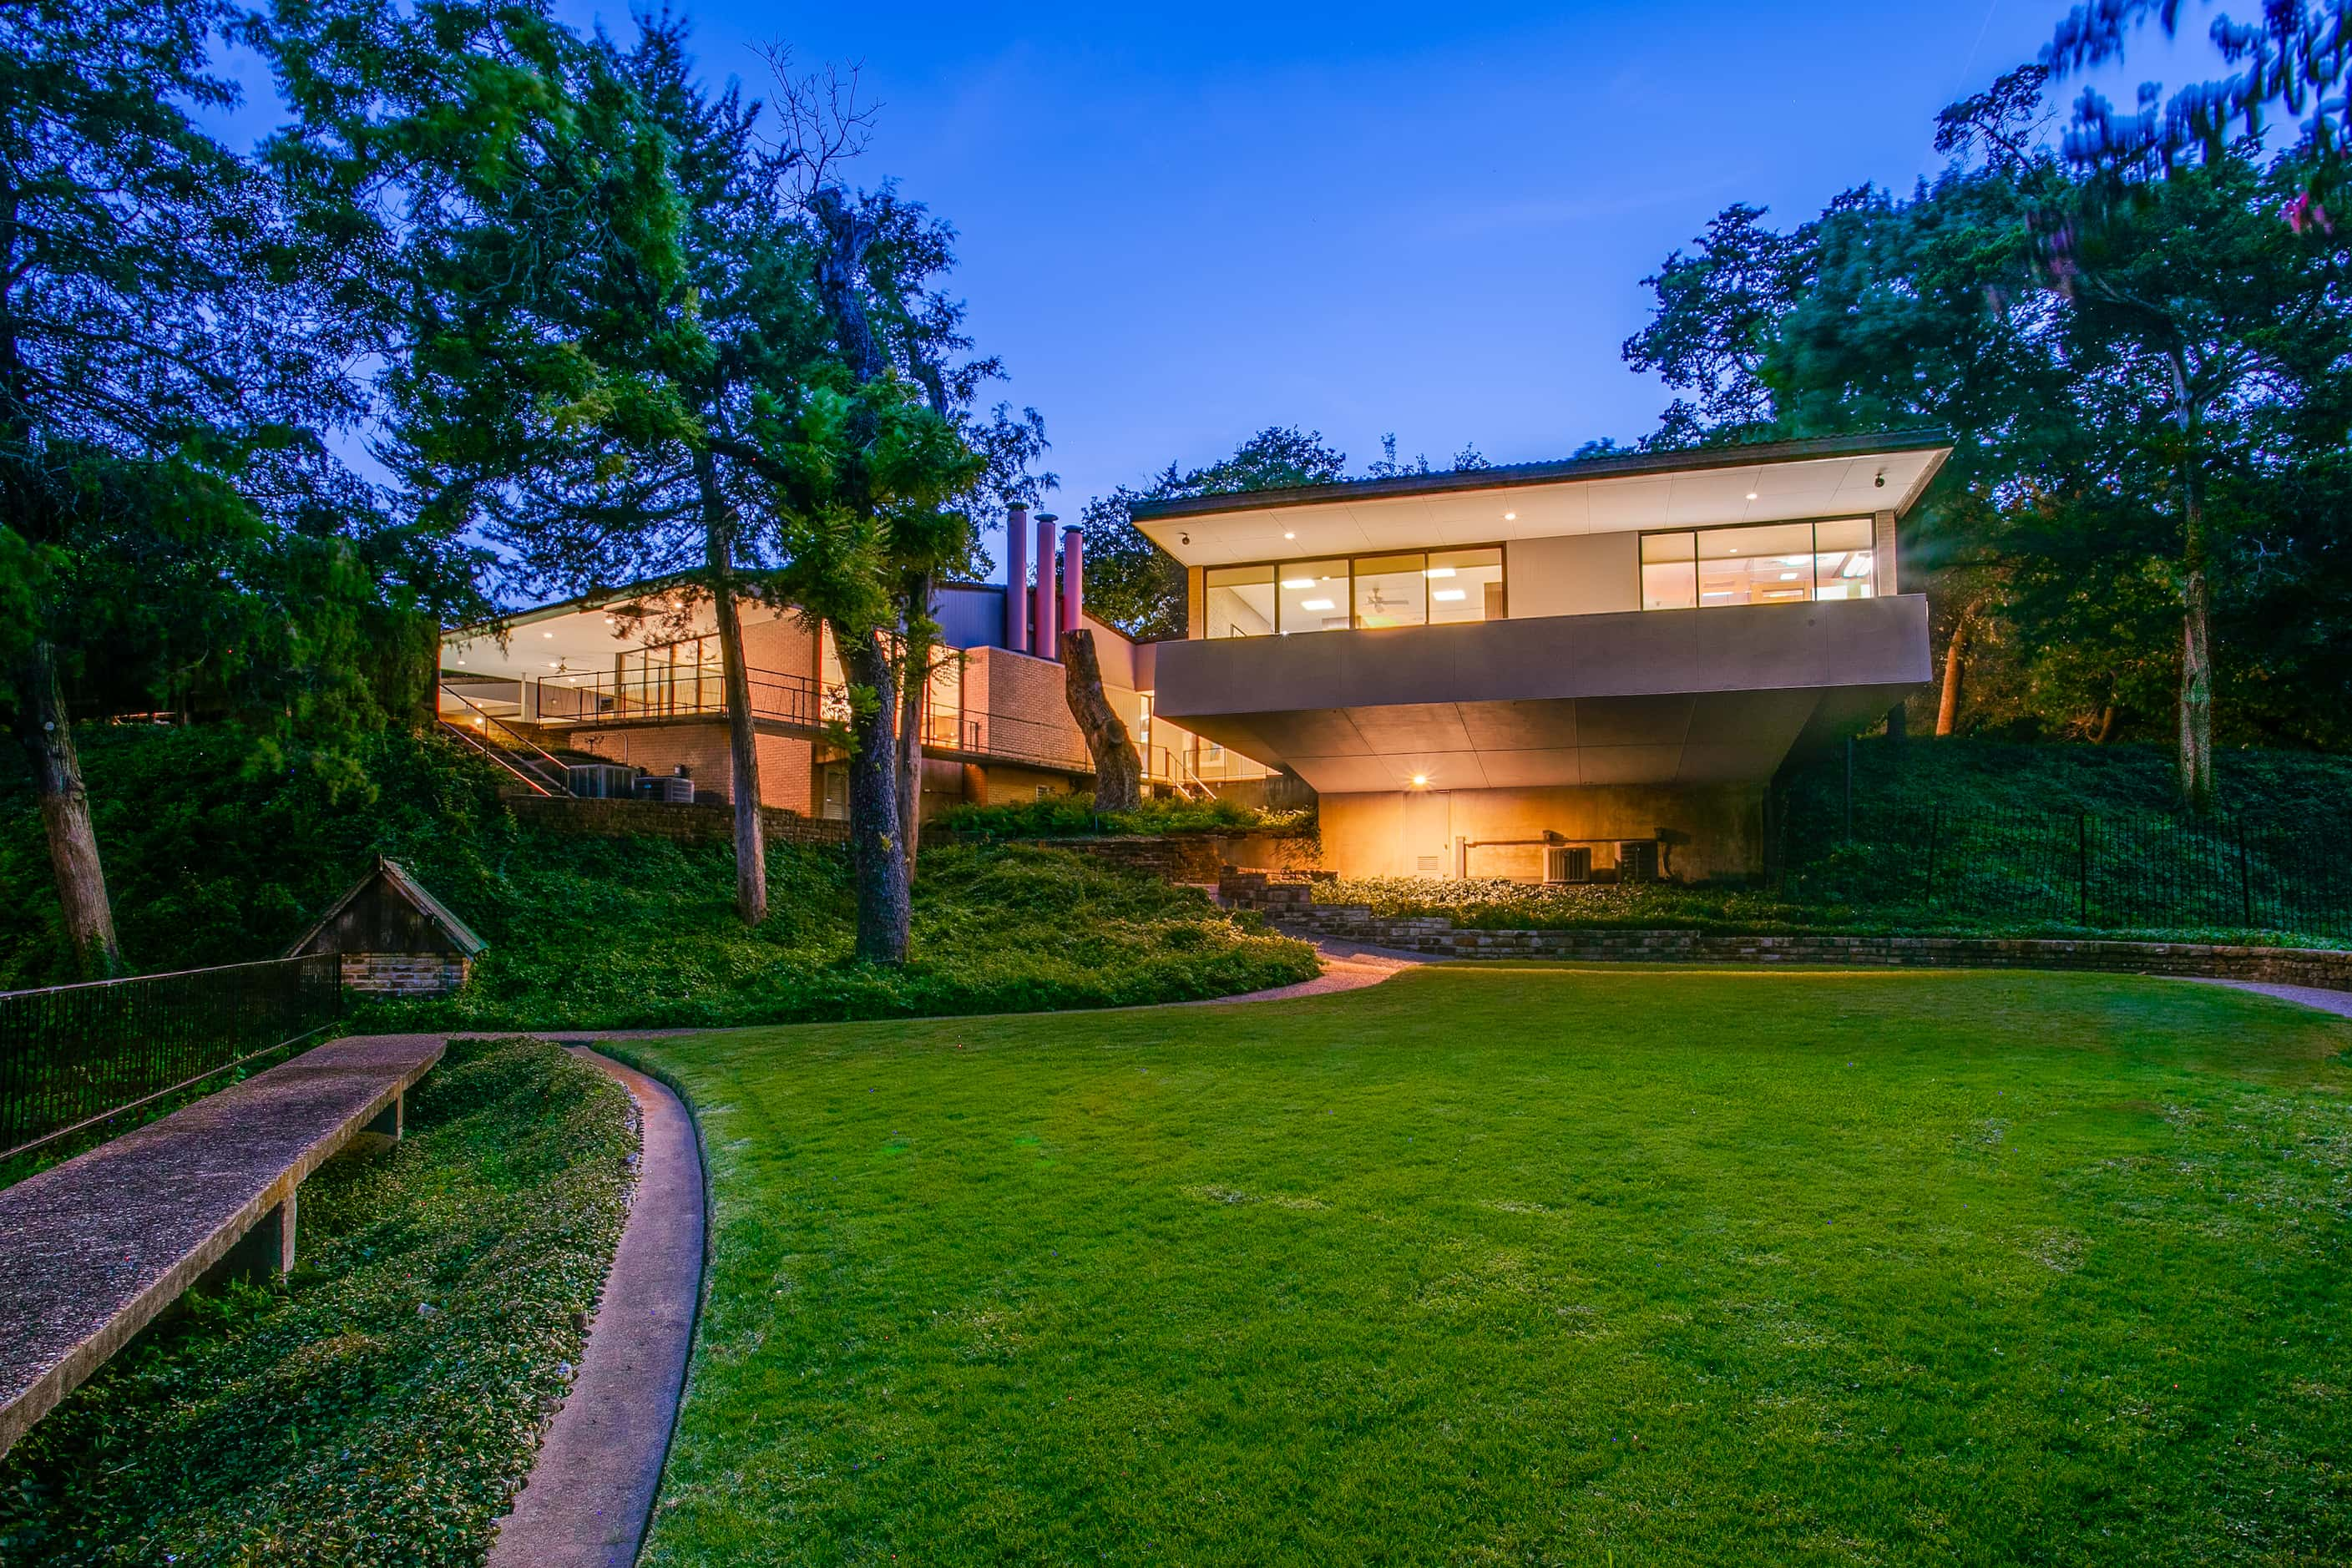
(698, 824)
(1290, 902)
(404, 974)
(1031, 694)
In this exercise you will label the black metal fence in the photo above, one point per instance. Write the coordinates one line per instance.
(2097, 870)
(74, 1055)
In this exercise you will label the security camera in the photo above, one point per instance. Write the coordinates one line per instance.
(1881, 481)
(1183, 539)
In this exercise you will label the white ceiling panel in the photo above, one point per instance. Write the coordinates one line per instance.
(1502, 508)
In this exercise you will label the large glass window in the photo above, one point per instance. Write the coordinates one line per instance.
(1464, 586)
(1405, 588)
(1239, 602)
(1312, 596)
(1845, 565)
(1766, 565)
(1769, 564)
(1669, 571)
(1391, 590)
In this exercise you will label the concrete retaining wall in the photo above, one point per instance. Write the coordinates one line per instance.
(1291, 904)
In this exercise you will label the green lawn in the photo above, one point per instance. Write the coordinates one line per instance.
(1521, 1264)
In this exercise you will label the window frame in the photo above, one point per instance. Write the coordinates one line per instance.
(1813, 524)
(1274, 564)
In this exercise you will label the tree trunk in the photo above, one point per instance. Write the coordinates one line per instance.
(2106, 728)
(1956, 665)
(47, 734)
(1118, 772)
(2197, 789)
(911, 761)
(877, 865)
(912, 696)
(742, 737)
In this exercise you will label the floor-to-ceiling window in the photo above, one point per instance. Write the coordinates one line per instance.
(1762, 564)
(1403, 588)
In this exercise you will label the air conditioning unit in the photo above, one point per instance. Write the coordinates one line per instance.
(1637, 860)
(670, 790)
(600, 781)
(1568, 863)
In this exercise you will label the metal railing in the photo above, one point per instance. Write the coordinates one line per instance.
(2098, 870)
(590, 698)
(73, 1056)
(533, 765)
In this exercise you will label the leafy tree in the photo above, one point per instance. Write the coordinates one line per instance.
(172, 527)
(1137, 586)
(873, 474)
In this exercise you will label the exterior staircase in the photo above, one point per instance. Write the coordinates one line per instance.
(530, 768)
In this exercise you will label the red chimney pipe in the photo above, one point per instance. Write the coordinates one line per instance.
(1016, 577)
(1042, 598)
(1074, 578)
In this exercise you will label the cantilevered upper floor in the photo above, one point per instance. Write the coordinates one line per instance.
(1635, 619)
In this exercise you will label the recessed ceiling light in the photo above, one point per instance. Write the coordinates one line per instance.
(1788, 576)
(1298, 582)
(1510, 516)
(1419, 780)
(1316, 604)
(1290, 536)
(1449, 595)
(547, 633)
(1751, 495)
(1439, 571)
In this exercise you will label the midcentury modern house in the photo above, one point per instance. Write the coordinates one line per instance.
(623, 693)
(1552, 670)
(1560, 671)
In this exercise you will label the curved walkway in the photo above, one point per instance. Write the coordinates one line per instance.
(2337, 1002)
(591, 1492)
(1347, 967)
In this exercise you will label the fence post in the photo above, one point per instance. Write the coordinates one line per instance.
(2245, 877)
(2082, 867)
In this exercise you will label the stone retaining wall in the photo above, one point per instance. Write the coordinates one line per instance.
(404, 974)
(1291, 904)
(697, 824)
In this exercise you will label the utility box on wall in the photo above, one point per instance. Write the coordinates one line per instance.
(394, 937)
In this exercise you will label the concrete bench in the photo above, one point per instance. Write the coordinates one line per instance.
(92, 1249)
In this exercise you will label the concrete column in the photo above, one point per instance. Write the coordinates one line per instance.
(1074, 578)
(266, 1250)
(1016, 577)
(1041, 597)
(391, 1121)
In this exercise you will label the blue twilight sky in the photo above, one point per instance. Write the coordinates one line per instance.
(1182, 224)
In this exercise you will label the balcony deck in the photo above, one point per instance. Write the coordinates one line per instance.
(577, 705)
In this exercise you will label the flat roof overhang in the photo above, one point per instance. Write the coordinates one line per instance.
(1705, 696)
(1844, 475)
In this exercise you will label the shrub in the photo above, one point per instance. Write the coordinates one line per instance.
(1071, 815)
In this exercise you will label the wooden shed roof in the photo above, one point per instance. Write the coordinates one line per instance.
(403, 885)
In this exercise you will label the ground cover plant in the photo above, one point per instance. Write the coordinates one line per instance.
(1073, 815)
(1502, 1263)
(218, 858)
(380, 1406)
(631, 933)
(1491, 904)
